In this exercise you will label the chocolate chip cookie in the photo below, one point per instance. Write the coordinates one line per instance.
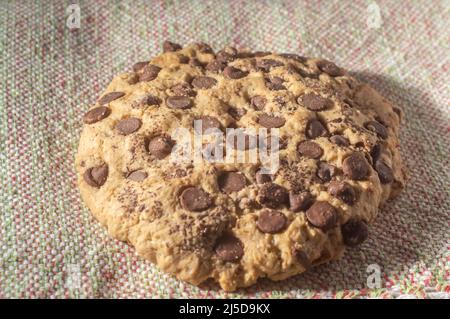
(338, 162)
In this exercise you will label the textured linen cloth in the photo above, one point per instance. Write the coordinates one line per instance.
(51, 247)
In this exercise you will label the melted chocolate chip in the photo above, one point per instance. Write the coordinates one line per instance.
(149, 73)
(356, 167)
(340, 140)
(326, 171)
(377, 128)
(169, 46)
(195, 199)
(265, 65)
(109, 97)
(322, 215)
(183, 89)
(270, 121)
(179, 102)
(385, 173)
(299, 202)
(271, 221)
(137, 176)
(216, 66)
(275, 83)
(160, 146)
(204, 82)
(229, 248)
(204, 47)
(309, 149)
(330, 68)
(314, 102)
(230, 182)
(258, 102)
(139, 66)
(96, 176)
(128, 126)
(263, 178)
(234, 73)
(314, 129)
(96, 114)
(236, 113)
(272, 195)
(354, 232)
(343, 191)
(293, 56)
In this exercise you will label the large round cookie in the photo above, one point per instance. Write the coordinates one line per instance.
(338, 162)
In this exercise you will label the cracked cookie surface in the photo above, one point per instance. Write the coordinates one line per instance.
(339, 161)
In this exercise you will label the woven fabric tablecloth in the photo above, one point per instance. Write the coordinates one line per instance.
(51, 247)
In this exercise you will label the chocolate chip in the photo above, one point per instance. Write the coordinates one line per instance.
(272, 195)
(354, 232)
(340, 140)
(263, 178)
(227, 55)
(137, 176)
(326, 171)
(275, 83)
(148, 100)
(203, 82)
(270, 121)
(203, 47)
(230, 182)
(160, 146)
(322, 215)
(149, 73)
(293, 56)
(129, 125)
(266, 64)
(384, 172)
(152, 100)
(179, 102)
(330, 68)
(183, 59)
(314, 102)
(258, 54)
(315, 128)
(96, 176)
(271, 221)
(375, 152)
(183, 89)
(208, 122)
(377, 128)
(309, 149)
(216, 66)
(171, 46)
(109, 97)
(234, 73)
(229, 248)
(195, 199)
(96, 114)
(139, 66)
(299, 202)
(236, 113)
(258, 102)
(356, 167)
(196, 63)
(343, 191)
